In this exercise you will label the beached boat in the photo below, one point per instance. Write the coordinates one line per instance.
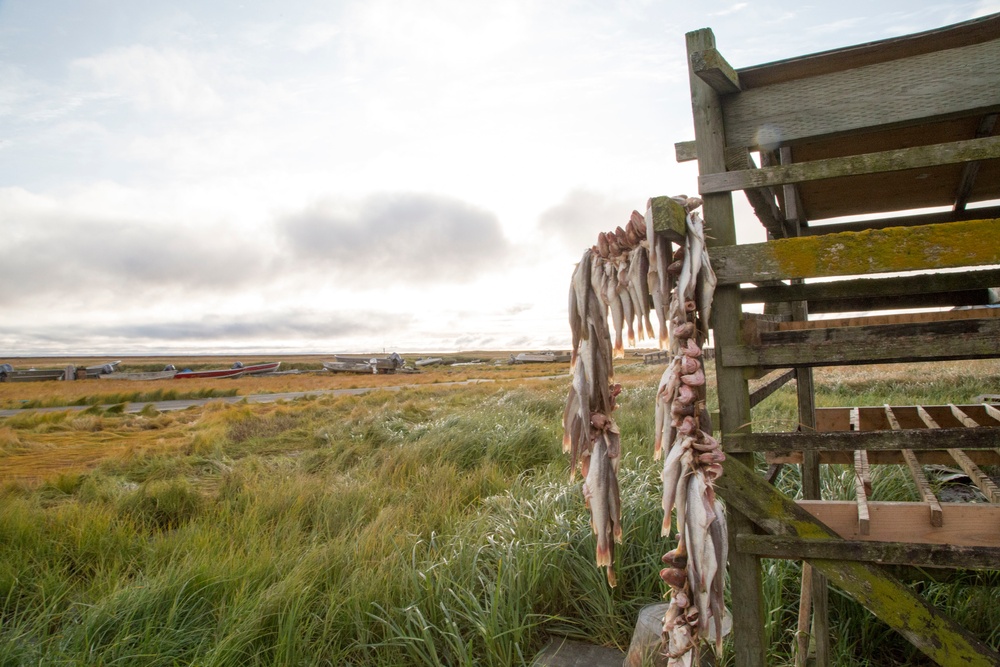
(541, 357)
(102, 369)
(216, 373)
(350, 367)
(151, 375)
(429, 361)
(258, 369)
(8, 374)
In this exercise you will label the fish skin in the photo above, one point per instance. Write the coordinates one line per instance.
(701, 552)
(696, 236)
(668, 384)
(673, 469)
(617, 315)
(720, 540)
(599, 479)
(625, 295)
(706, 291)
(578, 301)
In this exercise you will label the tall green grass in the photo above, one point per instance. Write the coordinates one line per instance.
(425, 527)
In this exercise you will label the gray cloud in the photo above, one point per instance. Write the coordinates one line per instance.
(59, 254)
(582, 214)
(397, 237)
(279, 325)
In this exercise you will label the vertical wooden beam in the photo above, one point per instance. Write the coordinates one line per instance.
(806, 396)
(861, 491)
(734, 396)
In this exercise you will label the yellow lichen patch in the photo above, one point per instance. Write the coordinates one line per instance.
(968, 243)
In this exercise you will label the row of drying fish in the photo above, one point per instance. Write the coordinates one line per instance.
(626, 274)
(695, 568)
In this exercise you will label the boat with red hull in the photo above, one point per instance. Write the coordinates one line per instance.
(238, 370)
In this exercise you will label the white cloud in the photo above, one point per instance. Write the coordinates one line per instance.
(315, 36)
(986, 7)
(153, 79)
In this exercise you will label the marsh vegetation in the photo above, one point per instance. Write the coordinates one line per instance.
(435, 525)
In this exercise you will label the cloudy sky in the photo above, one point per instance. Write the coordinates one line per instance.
(306, 176)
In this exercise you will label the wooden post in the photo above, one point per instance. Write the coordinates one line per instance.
(811, 487)
(734, 396)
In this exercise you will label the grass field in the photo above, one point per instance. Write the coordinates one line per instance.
(430, 526)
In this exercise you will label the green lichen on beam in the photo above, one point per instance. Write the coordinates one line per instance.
(713, 69)
(933, 633)
(668, 217)
(948, 245)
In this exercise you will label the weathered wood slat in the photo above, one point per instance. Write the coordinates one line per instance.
(919, 478)
(939, 637)
(861, 491)
(883, 553)
(712, 68)
(962, 417)
(894, 318)
(769, 387)
(978, 477)
(965, 524)
(903, 221)
(982, 457)
(965, 288)
(986, 148)
(848, 441)
(931, 341)
(951, 82)
(948, 245)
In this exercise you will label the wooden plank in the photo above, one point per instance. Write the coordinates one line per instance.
(929, 341)
(746, 579)
(883, 553)
(919, 478)
(900, 159)
(772, 385)
(952, 83)
(762, 200)
(978, 477)
(982, 457)
(848, 441)
(914, 220)
(668, 217)
(685, 151)
(861, 492)
(851, 57)
(971, 169)
(949, 245)
(936, 635)
(965, 524)
(894, 318)
(961, 416)
(908, 291)
(712, 68)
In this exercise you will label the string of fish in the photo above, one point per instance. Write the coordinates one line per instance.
(695, 567)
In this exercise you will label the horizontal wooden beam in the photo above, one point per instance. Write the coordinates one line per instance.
(872, 441)
(944, 83)
(893, 457)
(899, 343)
(939, 637)
(927, 247)
(915, 220)
(917, 157)
(866, 321)
(883, 553)
(964, 525)
(863, 289)
(712, 68)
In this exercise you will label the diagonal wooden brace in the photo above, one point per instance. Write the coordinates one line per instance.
(935, 634)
